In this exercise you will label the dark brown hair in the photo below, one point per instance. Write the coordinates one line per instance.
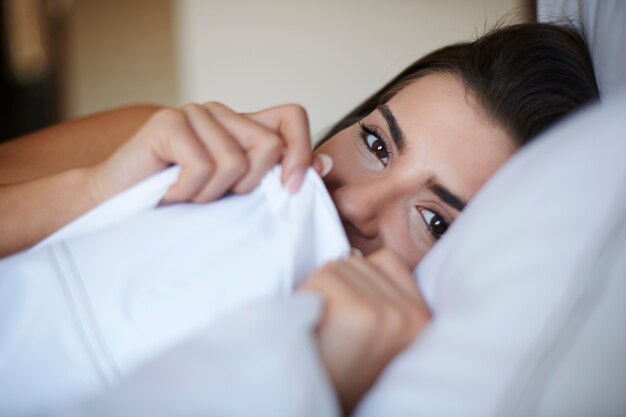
(525, 76)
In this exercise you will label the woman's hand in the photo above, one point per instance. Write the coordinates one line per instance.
(373, 311)
(218, 150)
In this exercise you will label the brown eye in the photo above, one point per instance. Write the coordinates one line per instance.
(378, 147)
(435, 223)
(375, 144)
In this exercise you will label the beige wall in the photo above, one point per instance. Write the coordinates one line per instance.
(325, 54)
(119, 52)
(250, 54)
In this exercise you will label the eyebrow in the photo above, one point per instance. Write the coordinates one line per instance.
(445, 194)
(396, 133)
(435, 186)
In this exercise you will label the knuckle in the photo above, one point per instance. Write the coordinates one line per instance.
(272, 144)
(244, 188)
(328, 274)
(192, 106)
(234, 164)
(366, 318)
(298, 114)
(416, 320)
(398, 329)
(169, 116)
(201, 164)
(215, 106)
(203, 170)
(331, 267)
(410, 327)
(202, 199)
(394, 320)
(296, 110)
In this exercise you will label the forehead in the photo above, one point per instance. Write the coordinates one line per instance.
(448, 134)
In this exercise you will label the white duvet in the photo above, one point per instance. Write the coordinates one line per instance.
(128, 281)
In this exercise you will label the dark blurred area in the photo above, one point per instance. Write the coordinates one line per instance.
(31, 57)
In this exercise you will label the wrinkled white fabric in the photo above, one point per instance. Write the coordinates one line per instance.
(260, 361)
(128, 282)
(137, 199)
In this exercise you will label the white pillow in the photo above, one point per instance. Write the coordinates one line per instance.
(604, 24)
(528, 289)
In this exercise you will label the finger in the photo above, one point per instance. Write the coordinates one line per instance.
(329, 281)
(322, 163)
(230, 162)
(292, 124)
(348, 305)
(401, 317)
(410, 316)
(182, 147)
(335, 282)
(393, 268)
(264, 147)
(361, 282)
(379, 284)
(382, 309)
(354, 279)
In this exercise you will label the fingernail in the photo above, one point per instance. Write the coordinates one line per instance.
(357, 252)
(327, 163)
(295, 180)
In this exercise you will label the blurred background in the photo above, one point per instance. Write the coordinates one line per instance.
(61, 59)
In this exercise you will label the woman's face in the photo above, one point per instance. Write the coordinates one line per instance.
(405, 172)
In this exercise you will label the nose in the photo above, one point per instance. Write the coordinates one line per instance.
(360, 206)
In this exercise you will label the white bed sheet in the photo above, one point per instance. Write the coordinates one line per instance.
(128, 282)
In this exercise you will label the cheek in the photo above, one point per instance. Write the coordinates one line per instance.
(403, 233)
(409, 248)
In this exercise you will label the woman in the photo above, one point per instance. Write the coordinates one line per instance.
(404, 164)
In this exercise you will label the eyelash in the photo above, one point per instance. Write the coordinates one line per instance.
(432, 232)
(365, 131)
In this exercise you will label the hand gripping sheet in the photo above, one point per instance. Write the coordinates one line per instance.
(128, 281)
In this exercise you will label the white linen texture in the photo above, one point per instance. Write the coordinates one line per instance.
(128, 281)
